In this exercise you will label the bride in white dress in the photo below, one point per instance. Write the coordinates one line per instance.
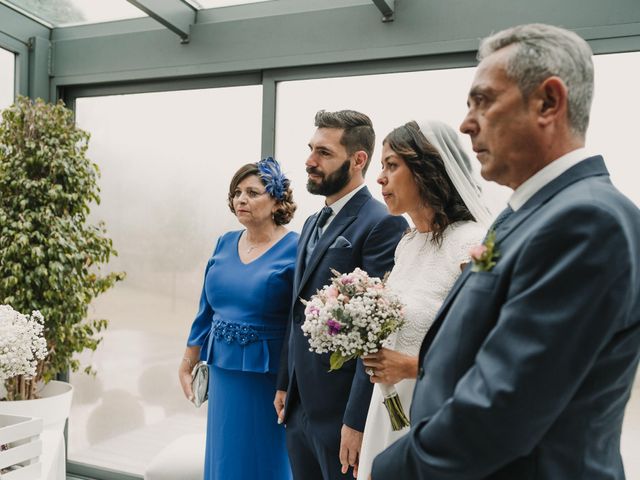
(426, 174)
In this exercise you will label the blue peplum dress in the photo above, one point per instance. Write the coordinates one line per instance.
(240, 327)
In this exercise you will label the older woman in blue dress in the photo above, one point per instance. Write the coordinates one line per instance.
(240, 327)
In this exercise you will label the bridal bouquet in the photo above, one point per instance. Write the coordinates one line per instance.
(351, 317)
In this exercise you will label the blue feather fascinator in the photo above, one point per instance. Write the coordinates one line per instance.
(274, 180)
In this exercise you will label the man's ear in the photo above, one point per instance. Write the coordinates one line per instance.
(551, 100)
(360, 158)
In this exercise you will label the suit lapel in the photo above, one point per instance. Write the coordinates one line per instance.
(510, 225)
(593, 166)
(302, 250)
(345, 217)
(337, 226)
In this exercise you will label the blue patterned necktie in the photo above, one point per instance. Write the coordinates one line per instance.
(324, 215)
(501, 218)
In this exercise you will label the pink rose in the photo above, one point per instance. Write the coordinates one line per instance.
(477, 252)
(332, 292)
(312, 310)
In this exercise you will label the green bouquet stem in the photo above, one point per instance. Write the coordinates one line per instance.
(393, 405)
(398, 418)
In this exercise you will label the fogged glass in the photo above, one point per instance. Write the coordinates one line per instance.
(73, 12)
(613, 128)
(166, 161)
(226, 3)
(7, 75)
(612, 133)
(390, 100)
(393, 99)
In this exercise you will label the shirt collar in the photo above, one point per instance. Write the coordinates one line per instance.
(338, 204)
(533, 184)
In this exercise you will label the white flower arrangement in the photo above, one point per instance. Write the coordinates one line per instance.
(351, 317)
(22, 343)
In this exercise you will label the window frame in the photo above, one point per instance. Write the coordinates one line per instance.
(269, 78)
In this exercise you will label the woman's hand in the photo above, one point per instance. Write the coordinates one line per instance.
(191, 356)
(278, 403)
(389, 366)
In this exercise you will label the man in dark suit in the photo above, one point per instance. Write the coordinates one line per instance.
(530, 362)
(325, 412)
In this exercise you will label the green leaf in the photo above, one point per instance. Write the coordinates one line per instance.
(336, 361)
(50, 255)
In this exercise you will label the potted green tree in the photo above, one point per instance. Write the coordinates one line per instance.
(50, 253)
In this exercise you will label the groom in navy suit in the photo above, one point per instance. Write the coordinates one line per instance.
(325, 412)
(528, 367)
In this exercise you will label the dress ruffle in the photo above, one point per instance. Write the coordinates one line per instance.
(244, 347)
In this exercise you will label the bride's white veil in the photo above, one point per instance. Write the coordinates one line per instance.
(458, 166)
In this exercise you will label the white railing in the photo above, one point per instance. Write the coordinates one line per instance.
(20, 447)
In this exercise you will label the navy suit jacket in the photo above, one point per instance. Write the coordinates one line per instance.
(364, 235)
(528, 367)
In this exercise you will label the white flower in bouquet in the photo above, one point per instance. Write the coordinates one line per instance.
(22, 343)
(351, 317)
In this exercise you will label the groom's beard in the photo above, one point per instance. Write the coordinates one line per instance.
(332, 183)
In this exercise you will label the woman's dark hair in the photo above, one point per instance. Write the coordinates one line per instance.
(285, 208)
(427, 167)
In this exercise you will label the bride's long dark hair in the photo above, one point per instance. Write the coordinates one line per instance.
(427, 168)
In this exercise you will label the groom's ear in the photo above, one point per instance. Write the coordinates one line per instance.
(360, 160)
(550, 100)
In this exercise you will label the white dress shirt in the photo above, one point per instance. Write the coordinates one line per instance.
(541, 178)
(338, 204)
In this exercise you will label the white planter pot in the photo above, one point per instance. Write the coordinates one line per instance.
(53, 408)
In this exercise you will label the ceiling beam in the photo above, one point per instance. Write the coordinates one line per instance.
(175, 15)
(386, 7)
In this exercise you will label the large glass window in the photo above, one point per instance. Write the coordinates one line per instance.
(393, 99)
(612, 132)
(614, 125)
(7, 77)
(166, 161)
(389, 99)
(225, 3)
(73, 12)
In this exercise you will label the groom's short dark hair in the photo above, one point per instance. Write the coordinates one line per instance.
(358, 130)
